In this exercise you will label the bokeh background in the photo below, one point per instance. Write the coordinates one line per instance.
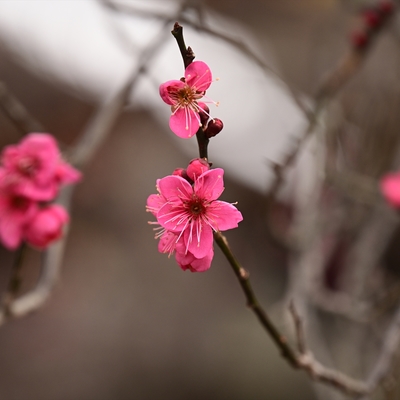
(124, 322)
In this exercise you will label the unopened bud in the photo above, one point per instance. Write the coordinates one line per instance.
(359, 39)
(196, 167)
(204, 113)
(386, 7)
(372, 18)
(182, 173)
(214, 127)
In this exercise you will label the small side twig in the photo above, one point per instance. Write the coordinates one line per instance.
(17, 113)
(186, 52)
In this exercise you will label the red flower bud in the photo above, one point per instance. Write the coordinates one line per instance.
(372, 18)
(214, 127)
(181, 172)
(196, 167)
(359, 39)
(386, 7)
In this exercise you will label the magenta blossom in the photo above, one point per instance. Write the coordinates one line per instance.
(193, 212)
(46, 226)
(183, 96)
(34, 168)
(390, 187)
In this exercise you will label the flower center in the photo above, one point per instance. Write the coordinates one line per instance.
(28, 166)
(196, 208)
(186, 97)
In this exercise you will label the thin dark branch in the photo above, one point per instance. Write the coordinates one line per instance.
(252, 302)
(202, 142)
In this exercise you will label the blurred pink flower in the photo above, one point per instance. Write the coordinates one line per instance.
(46, 226)
(183, 97)
(34, 168)
(390, 187)
(193, 212)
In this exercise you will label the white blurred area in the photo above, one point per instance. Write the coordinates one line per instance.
(91, 50)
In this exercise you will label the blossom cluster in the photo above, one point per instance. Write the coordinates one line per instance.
(188, 212)
(31, 174)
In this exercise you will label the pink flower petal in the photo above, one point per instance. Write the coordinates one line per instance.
(33, 191)
(188, 261)
(223, 216)
(66, 174)
(174, 188)
(10, 232)
(184, 123)
(210, 184)
(198, 75)
(199, 239)
(202, 264)
(154, 203)
(168, 87)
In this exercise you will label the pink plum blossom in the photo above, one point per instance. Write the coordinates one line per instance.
(188, 215)
(35, 169)
(390, 187)
(183, 96)
(46, 226)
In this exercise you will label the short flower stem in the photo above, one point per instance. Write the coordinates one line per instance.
(202, 141)
(252, 302)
